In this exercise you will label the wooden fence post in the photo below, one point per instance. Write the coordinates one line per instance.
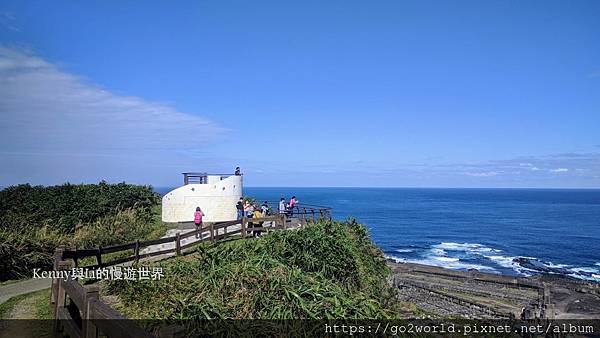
(137, 250)
(60, 294)
(284, 218)
(212, 232)
(99, 257)
(304, 214)
(57, 258)
(178, 244)
(313, 215)
(88, 329)
(244, 220)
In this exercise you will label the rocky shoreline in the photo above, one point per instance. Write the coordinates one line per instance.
(440, 292)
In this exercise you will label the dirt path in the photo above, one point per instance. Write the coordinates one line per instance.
(15, 323)
(23, 287)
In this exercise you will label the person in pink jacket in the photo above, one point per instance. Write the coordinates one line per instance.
(198, 220)
(292, 204)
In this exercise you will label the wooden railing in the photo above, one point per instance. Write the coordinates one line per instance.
(79, 311)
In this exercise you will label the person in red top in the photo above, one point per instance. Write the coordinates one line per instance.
(198, 220)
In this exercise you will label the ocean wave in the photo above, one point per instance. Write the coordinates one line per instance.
(585, 269)
(438, 252)
(592, 277)
(585, 272)
(449, 264)
(557, 266)
(470, 256)
(528, 265)
(447, 259)
(513, 263)
(466, 247)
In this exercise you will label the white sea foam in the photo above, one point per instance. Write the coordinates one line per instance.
(585, 269)
(509, 262)
(466, 247)
(593, 277)
(454, 264)
(504, 261)
(442, 255)
(446, 259)
(556, 266)
(438, 252)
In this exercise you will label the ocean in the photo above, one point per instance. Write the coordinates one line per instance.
(519, 232)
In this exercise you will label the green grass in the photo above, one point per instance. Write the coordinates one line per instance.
(152, 229)
(10, 281)
(39, 308)
(41, 304)
(22, 251)
(325, 271)
(35, 220)
(9, 305)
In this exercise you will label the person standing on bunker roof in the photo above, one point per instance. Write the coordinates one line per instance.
(237, 171)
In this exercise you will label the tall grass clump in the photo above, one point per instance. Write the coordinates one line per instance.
(324, 271)
(36, 220)
(65, 206)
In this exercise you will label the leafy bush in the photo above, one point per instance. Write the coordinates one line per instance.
(327, 270)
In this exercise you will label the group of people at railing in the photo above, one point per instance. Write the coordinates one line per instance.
(250, 210)
(245, 208)
(287, 207)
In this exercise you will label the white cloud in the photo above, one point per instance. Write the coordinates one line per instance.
(560, 170)
(44, 109)
(483, 174)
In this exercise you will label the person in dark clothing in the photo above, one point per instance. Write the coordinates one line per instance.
(237, 171)
(240, 208)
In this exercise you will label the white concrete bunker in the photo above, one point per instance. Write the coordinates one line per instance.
(215, 194)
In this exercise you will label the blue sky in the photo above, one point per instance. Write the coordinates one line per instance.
(306, 93)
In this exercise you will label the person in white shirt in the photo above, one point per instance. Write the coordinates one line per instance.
(282, 206)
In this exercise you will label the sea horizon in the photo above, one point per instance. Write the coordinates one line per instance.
(164, 187)
(517, 231)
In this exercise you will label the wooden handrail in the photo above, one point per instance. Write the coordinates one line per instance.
(83, 253)
(87, 300)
